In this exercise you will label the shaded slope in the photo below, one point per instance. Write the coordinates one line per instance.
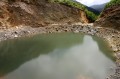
(110, 17)
(93, 10)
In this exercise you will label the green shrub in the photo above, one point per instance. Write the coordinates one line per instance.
(70, 3)
(91, 16)
(112, 3)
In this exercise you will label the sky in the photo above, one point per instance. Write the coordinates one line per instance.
(92, 2)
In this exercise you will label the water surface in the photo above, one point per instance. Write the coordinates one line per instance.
(56, 56)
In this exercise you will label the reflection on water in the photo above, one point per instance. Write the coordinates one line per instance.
(55, 56)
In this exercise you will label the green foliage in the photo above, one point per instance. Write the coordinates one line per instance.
(112, 3)
(91, 16)
(70, 3)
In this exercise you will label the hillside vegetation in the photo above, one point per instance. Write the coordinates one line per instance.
(112, 3)
(91, 16)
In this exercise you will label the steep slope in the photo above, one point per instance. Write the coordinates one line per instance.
(37, 13)
(91, 15)
(110, 17)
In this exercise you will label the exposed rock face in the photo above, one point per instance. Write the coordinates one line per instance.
(37, 13)
(110, 17)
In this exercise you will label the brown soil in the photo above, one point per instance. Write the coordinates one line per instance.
(37, 13)
(110, 17)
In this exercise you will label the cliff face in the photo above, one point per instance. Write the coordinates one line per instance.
(37, 13)
(110, 17)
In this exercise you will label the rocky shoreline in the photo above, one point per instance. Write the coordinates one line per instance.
(110, 35)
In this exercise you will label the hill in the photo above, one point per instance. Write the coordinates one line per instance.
(110, 17)
(113, 3)
(91, 14)
(99, 7)
(93, 10)
(37, 13)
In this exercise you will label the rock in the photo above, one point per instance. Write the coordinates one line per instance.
(15, 35)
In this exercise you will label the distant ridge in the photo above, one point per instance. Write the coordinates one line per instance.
(98, 7)
(93, 10)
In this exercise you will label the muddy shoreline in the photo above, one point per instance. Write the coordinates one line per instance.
(110, 35)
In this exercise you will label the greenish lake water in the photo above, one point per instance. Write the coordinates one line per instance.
(56, 56)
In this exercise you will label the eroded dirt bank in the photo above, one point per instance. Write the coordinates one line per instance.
(37, 13)
(110, 17)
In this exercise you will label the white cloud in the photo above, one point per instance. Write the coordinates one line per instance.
(86, 2)
(92, 2)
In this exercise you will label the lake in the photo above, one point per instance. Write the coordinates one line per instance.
(56, 56)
